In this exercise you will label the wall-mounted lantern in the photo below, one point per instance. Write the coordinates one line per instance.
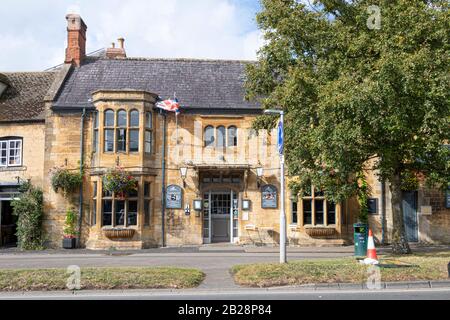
(198, 205)
(183, 173)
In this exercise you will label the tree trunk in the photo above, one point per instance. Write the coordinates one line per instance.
(399, 242)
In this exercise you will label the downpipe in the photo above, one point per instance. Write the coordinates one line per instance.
(80, 203)
(163, 191)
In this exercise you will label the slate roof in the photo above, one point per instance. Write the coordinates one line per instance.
(199, 84)
(23, 100)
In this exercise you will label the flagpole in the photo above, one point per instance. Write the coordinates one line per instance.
(176, 121)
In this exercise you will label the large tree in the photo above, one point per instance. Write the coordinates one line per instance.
(364, 85)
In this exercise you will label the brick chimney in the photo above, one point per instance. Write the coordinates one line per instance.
(117, 53)
(76, 39)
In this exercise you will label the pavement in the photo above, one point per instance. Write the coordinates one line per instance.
(241, 294)
(214, 260)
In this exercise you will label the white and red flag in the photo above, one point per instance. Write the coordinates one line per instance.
(169, 105)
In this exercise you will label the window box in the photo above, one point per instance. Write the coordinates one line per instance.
(320, 232)
(119, 234)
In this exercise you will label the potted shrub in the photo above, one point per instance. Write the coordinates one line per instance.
(70, 230)
(120, 182)
(66, 181)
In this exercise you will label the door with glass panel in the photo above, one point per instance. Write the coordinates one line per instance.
(220, 217)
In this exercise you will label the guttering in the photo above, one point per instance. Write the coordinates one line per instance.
(25, 121)
(72, 109)
(221, 111)
(163, 166)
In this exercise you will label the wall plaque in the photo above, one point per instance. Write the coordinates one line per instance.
(174, 197)
(269, 197)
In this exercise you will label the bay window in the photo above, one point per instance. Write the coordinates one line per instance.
(119, 212)
(122, 133)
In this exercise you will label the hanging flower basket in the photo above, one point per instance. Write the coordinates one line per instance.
(65, 180)
(120, 182)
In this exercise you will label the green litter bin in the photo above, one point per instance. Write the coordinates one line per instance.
(361, 237)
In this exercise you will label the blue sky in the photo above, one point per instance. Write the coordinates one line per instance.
(33, 32)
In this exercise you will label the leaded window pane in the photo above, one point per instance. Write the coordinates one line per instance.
(294, 212)
(109, 140)
(148, 141)
(232, 136)
(331, 212)
(134, 118)
(109, 118)
(122, 118)
(120, 213)
(307, 212)
(319, 204)
(221, 136)
(132, 213)
(121, 140)
(209, 136)
(134, 140)
(148, 120)
(107, 212)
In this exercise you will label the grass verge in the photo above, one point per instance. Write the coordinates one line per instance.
(101, 279)
(393, 268)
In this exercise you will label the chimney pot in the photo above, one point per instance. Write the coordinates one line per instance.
(76, 39)
(117, 53)
(121, 43)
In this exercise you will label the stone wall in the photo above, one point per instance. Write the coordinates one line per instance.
(33, 152)
(434, 217)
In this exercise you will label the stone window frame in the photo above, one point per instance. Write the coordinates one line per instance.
(215, 136)
(7, 141)
(128, 127)
(314, 196)
(107, 196)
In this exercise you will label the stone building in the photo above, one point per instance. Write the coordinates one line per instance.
(204, 176)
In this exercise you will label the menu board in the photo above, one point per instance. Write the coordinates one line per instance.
(269, 196)
(174, 197)
(447, 199)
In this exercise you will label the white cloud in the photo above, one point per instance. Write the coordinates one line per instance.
(218, 29)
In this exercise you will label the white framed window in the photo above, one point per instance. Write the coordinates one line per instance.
(10, 152)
